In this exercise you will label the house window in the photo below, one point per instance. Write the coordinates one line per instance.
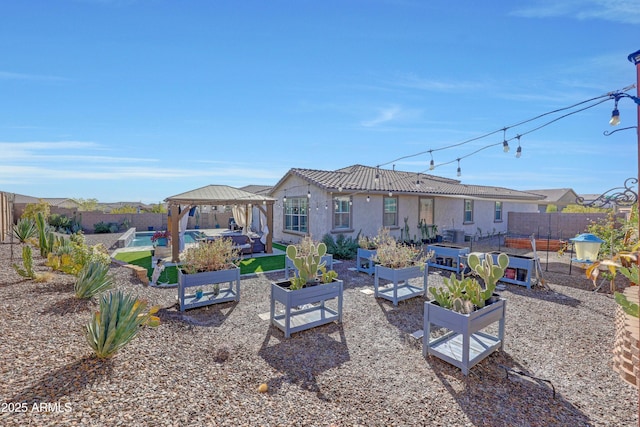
(498, 212)
(468, 210)
(390, 214)
(296, 214)
(342, 213)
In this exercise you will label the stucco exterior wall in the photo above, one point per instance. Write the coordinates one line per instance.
(367, 216)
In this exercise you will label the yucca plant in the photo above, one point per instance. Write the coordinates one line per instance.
(93, 278)
(25, 229)
(27, 261)
(119, 320)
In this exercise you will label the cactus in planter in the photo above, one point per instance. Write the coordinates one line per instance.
(489, 271)
(463, 296)
(463, 306)
(308, 264)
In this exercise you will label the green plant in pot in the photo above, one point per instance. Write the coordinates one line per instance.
(311, 269)
(467, 295)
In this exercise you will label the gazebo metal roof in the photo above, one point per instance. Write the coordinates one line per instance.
(218, 195)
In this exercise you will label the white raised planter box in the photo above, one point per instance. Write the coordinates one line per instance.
(289, 268)
(364, 262)
(465, 344)
(227, 293)
(305, 308)
(401, 289)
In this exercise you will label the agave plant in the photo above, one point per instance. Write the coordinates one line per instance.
(25, 229)
(119, 320)
(93, 278)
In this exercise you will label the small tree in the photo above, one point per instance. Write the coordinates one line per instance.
(32, 209)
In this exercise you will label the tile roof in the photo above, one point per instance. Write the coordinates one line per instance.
(257, 189)
(359, 179)
(555, 194)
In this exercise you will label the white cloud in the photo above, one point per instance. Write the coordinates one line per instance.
(415, 82)
(624, 11)
(8, 75)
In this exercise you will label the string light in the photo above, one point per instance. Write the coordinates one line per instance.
(368, 198)
(505, 144)
(284, 199)
(418, 181)
(592, 102)
(308, 191)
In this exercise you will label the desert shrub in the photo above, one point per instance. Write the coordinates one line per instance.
(342, 247)
(393, 254)
(32, 209)
(215, 255)
(70, 255)
(117, 322)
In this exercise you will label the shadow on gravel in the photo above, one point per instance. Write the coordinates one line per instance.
(304, 356)
(210, 316)
(68, 305)
(496, 390)
(67, 380)
(545, 295)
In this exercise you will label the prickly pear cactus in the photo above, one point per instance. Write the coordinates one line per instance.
(490, 272)
(307, 266)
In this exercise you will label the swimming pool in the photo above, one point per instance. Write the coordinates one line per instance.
(143, 238)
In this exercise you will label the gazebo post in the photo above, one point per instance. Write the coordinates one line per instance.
(175, 235)
(269, 247)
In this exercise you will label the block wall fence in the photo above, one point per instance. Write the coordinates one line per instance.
(141, 221)
(557, 225)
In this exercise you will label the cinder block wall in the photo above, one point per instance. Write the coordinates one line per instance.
(556, 224)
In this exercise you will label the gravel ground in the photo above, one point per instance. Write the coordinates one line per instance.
(203, 367)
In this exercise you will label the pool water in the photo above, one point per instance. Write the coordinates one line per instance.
(143, 238)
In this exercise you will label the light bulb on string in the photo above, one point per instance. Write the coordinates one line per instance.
(368, 198)
(459, 172)
(284, 199)
(308, 191)
(418, 182)
(519, 149)
(432, 164)
(505, 144)
(615, 115)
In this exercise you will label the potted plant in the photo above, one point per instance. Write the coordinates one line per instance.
(303, 297)
(465, 308)
(209, 263)
(198, 293)
(367, 250)
(398, 263)
(161, 238)
(305, 248)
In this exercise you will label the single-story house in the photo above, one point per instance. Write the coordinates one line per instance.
(363, 199)
(559, 197)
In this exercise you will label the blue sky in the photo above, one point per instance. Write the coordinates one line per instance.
(131, 100)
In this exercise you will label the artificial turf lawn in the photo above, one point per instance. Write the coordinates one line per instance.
(247, 265)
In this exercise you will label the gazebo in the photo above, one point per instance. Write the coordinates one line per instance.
(216, 195)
